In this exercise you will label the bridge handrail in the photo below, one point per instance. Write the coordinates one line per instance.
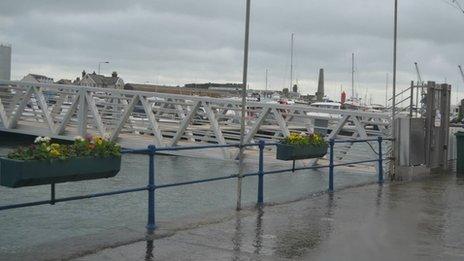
(151, 186)
(201, 99)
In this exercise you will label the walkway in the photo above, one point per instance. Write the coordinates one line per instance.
(134, 118)
(420, 220)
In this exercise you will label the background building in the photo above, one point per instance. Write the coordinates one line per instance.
(97, 80)
(226, 87)
(176, 90)
(37, 78)
(5, 62)
(64, 81)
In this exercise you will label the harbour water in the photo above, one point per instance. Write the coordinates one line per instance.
(26, 228)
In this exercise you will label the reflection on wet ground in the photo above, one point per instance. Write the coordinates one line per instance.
(121, 218)
(149, 253)
(420, 220)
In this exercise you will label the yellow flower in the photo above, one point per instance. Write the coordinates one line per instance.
(55, 146)
(55, 153)
(98, 140)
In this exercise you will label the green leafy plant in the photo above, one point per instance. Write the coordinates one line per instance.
(44, 149)
(304, 139)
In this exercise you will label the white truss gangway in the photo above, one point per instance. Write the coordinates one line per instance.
(137, 118)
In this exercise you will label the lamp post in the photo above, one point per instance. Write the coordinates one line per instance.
(393, 125)
(99, 63)
(244, 94)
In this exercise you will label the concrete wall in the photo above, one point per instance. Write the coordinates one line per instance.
(5, 62)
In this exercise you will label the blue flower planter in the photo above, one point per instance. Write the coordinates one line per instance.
(21, 173)
(297, 152)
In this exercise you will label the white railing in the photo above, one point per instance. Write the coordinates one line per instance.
(65, 111)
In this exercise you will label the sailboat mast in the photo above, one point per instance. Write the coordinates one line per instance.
(352, 76)
(462, 75)
(291, 61)
(267, 71)
(386, 92)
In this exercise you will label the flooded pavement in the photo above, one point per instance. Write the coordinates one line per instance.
(419, 220)
(81, 225)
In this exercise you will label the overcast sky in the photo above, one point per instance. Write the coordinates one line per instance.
(180, 41)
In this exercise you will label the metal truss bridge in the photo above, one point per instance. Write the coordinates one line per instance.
(137, 118)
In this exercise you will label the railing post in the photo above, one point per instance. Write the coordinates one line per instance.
(52, 196)
(151, 225)
(331, 165)
(261, 173)
(380, 169)
(82, 113)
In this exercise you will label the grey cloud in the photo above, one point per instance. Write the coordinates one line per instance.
(180, 41)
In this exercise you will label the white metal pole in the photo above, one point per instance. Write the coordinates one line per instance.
(352, 77)
(291, 61)
(457, 90)
(386, 92)
(267, 71)
(244, 95)
(99, 63)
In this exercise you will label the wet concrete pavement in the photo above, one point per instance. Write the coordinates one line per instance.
(419, 220)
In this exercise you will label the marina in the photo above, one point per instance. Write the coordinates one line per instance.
(250, 130)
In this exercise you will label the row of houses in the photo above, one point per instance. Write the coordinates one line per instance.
(87, 79)
(217, 90)
(116, 82)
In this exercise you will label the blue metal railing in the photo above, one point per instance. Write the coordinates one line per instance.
(151, 187)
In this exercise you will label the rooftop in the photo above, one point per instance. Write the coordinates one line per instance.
(40, 77)
(102, 80)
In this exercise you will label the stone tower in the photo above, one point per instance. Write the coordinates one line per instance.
(320, 86)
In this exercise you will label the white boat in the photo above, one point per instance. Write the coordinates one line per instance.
(325, 115)
(375, 108)
(327, 105)
(352, 105)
